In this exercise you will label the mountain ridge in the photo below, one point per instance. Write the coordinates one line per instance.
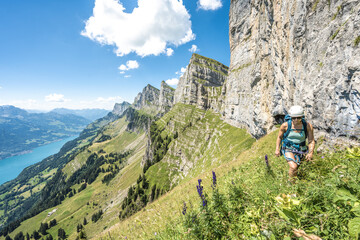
(21, 131)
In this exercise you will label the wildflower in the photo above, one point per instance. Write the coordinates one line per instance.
(214, 180)
(267, 161)
(322, 157)
(184, 209)
(200, 192)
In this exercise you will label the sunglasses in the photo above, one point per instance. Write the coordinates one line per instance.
(296, 118)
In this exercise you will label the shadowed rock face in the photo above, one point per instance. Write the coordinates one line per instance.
(201, 84)
(148, 97)
(166, 97)
(120, 108)
(155, 101)
(294, 52)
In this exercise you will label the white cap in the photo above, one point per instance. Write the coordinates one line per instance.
(296, 111)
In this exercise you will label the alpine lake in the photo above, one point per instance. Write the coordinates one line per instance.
(11, 167)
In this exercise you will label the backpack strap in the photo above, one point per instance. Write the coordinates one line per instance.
(304, 126)
(286, 134)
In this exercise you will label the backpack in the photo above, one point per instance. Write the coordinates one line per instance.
(285, 142)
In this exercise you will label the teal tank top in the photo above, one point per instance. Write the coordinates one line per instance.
(297, 137)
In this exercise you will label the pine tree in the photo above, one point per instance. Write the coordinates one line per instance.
(49, 237)
(79, 227)
(43, 228)
(85, 222)
(36, 235)
(61, 233)
(19, 236)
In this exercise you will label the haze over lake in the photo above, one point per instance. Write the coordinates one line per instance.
(11, 167)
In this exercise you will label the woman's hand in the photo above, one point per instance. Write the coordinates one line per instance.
(277, 152)
(309, 157)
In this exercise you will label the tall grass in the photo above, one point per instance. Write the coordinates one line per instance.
(255, 201)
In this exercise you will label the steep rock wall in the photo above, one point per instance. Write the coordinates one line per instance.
(294, 52)
(166, 97)
(119, 108)
(147, 98)
(201, 84)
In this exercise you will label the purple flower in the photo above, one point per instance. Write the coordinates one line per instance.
(267, 161)
(200, 192)
(184, 209)
(214, 180)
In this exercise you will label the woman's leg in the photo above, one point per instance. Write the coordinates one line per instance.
(293, 167)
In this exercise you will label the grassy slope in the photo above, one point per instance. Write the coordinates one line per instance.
(99, 196)
(207, 143)
(229, 151)
(167, 209)
(327, 189)
(204, 141)
(219, 143)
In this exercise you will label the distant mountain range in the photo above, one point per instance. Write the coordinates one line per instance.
(21, 131)
(91, 114)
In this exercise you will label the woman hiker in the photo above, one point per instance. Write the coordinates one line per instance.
(291, 141)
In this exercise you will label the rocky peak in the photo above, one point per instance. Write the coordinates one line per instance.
(120, 108)
(166, 97)
(148, 98)
(294, 52)
(202, 82)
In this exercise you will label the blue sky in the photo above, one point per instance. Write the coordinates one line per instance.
(94, 53)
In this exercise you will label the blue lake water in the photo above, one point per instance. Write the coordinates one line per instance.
(12, 166)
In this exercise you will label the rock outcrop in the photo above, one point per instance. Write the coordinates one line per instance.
(201, 84)
(166, 97)
(294, 52)
(147, 99)
(155, 101)
(120, 108)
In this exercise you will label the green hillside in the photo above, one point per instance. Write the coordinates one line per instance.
(20, 195)
(253, 201)
(226, 142)
(121, 196)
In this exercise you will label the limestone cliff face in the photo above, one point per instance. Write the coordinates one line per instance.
(166, 97)
(148, 98)
(120, 108)
(201, 84)
(294, 52)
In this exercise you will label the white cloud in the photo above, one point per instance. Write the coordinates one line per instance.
(181, 72)
(100, 102)
(147, 30)
(127, 76)
(209, 4)
(108, 99)
(193, 49)
(131, 64)
(55, 98)
(0, 87)
(169, 52)
(172, 82)
(24, 104)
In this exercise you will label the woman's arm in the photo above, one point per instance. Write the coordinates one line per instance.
(282, 130)
(311, 141)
